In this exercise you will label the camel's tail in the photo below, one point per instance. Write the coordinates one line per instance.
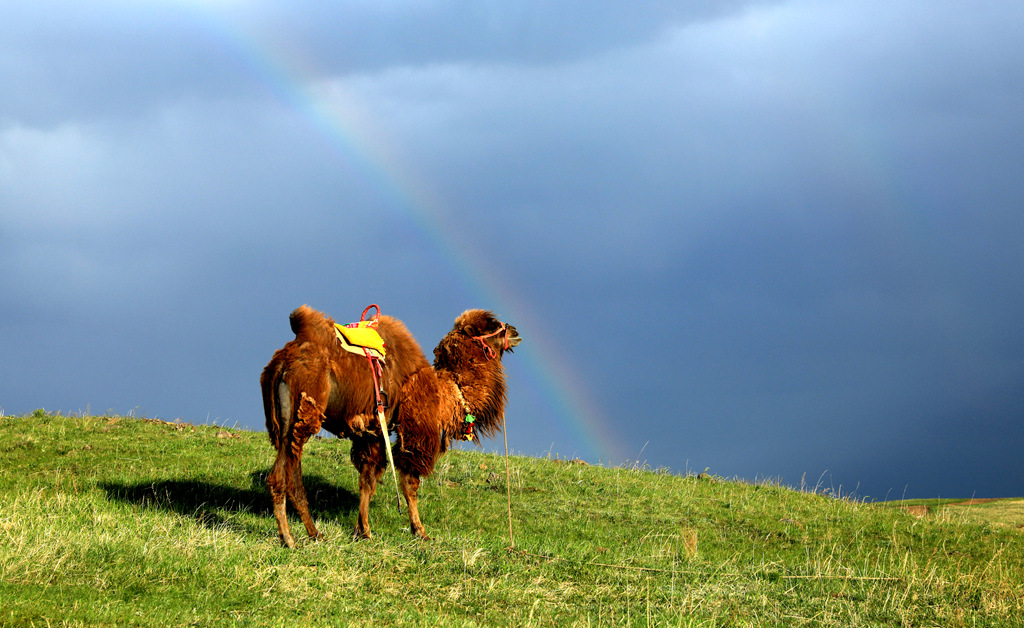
(269, 381)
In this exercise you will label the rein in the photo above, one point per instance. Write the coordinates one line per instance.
(469, 420)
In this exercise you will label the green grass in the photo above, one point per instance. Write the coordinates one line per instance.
(122, 521)
(1002, 512)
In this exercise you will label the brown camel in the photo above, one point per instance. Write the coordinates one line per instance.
(313, 383)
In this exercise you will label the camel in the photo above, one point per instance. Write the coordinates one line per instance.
(313, 383)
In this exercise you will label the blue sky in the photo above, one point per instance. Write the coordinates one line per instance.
(770, 239)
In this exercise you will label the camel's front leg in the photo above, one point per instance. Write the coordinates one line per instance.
(307, 422)
(368, 457)
(411, 488)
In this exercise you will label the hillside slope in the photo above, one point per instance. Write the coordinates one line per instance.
(113, 520)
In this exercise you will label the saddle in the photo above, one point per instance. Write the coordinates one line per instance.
(362, 337)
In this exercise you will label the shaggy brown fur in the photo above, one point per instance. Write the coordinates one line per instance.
(312, 383)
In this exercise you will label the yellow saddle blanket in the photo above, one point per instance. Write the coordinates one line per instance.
(359, 336)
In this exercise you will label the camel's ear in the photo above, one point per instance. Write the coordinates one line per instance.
(470, 330)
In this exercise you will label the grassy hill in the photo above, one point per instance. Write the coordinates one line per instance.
(122, 521)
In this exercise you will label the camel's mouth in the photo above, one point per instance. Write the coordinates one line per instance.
(513, 337)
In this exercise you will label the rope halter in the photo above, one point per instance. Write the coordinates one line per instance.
(483, 341)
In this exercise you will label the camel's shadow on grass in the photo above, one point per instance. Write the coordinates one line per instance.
(223, 506)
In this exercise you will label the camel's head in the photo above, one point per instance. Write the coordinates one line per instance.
(494, 336)
(470, 357)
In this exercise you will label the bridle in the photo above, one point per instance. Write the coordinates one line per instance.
(490, 351)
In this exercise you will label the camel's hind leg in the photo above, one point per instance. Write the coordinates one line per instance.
(277, 480)
(285, 479)
(308, 420)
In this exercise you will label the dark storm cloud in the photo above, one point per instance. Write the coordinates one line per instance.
(67, 60)
(808, 213)
(479, 32)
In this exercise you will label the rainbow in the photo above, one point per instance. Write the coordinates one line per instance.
(352, 132)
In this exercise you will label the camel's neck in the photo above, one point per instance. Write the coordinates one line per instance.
(461, 420)
(452, 383)
(478, 395)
